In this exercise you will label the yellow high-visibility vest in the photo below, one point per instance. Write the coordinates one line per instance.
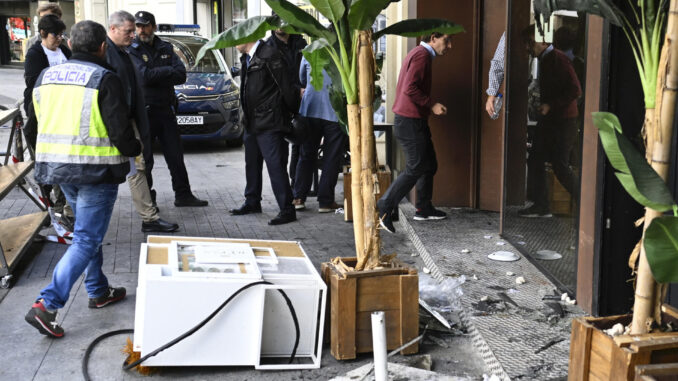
(70, 127)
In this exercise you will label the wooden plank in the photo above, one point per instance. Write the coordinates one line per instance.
(17, 233)
(580, 350)
(375, 302)
(157, 255)
(621, 364)
(656, 345)
(325, 271)
(626, 340)
(409, 312)
(343, 300)
(11, 175)
(669, 312)
(658, 370)
(599, 367)
(602, 344)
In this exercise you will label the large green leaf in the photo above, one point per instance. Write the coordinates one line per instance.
(300, 20)
(635, 174)
(316, 54)
(249, 30)
(362, 13)
(661, 248)
(420, 27)
(604, 8)
(333, 10)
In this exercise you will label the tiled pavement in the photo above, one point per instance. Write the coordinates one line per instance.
(216, 174)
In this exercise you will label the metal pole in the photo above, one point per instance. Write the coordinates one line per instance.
(379, 346)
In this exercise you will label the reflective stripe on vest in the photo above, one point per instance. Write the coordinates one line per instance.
(70, 127)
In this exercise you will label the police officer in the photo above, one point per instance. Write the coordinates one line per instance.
(160, 69)
(267, 98)
(84, 143)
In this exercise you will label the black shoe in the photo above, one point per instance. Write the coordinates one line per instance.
(535, 212)
(44, 321)
(189, 201)
(283, 219)
(386, 221)
(112, 295)
(159, 225)
(245, 209)
(429, 214)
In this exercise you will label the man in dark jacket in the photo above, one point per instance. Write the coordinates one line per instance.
(120, 36)
(161, 69)
(268, 98)
(290, 47)
(85, 140)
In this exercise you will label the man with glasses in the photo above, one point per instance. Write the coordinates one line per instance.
(120, 36)
(160, 70)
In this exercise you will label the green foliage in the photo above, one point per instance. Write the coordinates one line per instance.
(661, 248)
(362, 14)
(420, 27)
(333, 10)
(633, 171)
(316, 54)
(300, 20)
(249, 30)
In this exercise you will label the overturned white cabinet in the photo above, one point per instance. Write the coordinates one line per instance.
(182, 280)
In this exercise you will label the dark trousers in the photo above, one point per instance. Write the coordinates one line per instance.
(553, 141)
(414, 136)
(163, 124)
(334, 140)
(272, 148)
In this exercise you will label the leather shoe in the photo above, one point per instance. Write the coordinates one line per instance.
(245, 209)
(159, 225)
(189, 201)
(283, 219)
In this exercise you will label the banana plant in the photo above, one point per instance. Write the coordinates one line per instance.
(651, 27)
(336, 48)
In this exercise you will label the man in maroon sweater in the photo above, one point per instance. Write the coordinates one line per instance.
(556, 131)
(412, 107)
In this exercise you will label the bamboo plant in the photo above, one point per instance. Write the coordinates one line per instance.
(344, 50)
(645, 25)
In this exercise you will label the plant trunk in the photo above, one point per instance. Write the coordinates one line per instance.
(368, 173)
(649, 295)
(356, 198)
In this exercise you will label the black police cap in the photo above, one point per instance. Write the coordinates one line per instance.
(144, 18)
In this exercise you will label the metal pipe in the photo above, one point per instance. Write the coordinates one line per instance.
(379, 346)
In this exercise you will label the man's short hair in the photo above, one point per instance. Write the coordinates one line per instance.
(50, 24)
(87, 36)
(119, 18)
(428, 37)
(564, 38)
(52, 8)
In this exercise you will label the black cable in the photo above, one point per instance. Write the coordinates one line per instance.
(90, 347)
(188, 333)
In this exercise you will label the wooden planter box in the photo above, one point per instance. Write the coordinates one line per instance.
(355, 295)
(384, 176)
(596, 356)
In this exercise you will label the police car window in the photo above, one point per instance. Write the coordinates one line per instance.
(187, 51)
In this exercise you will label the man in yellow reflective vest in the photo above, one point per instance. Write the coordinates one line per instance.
(84, 143)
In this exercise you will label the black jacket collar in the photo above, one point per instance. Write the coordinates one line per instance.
(87, 57)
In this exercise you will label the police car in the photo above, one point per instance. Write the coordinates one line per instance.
(209, 101)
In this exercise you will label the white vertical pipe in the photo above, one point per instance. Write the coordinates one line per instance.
(379, 346)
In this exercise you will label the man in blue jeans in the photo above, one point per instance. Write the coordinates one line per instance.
(84, 144)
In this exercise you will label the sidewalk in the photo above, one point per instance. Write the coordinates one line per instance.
(216, 175)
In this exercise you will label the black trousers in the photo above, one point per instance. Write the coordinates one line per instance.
(272, 148)
(163, 124)
(334, 140)
(554, 139)
(414, 137)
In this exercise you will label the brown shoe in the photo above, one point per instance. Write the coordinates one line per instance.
(298, 204)
(328, 208)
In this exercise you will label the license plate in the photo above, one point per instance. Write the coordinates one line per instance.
(189, 119)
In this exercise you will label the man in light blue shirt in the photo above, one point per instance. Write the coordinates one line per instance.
(316, 107)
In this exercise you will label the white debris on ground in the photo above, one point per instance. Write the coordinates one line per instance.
(426, 270)
(510, 273)
(398, 372)
(566, 298)
(465, 251)
(520, 280)
(493, 377)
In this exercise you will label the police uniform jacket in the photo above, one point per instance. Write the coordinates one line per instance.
(160, 70)
(114, 111)
(134, 96)
(267, 94)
